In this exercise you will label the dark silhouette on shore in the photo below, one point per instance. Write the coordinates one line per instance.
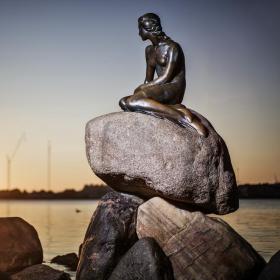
(88, 192)
(264, 190)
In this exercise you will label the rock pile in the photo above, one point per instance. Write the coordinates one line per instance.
(162, 242)
(180, 176)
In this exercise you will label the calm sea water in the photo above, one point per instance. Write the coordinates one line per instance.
(61, 229)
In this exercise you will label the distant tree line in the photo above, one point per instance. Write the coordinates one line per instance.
(259, 191)
(97, 191)
(88, 192)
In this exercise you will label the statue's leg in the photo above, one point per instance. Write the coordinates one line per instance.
(182, 108)
(192, 119)
(141, 102)
(155, 101)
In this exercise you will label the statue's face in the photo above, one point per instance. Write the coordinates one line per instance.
(144, 34)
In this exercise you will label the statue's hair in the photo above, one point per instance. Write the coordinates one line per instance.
(151, 23)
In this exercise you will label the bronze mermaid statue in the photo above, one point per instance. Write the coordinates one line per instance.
(162, 96)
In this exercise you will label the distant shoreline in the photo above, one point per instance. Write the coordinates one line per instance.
(259, 191)
(87, 193)
(92, 192)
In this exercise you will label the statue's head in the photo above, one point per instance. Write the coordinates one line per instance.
(149, 25)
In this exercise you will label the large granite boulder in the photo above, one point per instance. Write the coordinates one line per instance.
(111, 232)
(145, 260)
(199, 247)
(148, 156)
(40, 272)
(20, 245)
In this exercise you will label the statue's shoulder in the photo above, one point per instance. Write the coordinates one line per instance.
(176, 48)
(174, 45)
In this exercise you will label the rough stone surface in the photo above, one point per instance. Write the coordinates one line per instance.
(144, 260)
(40, 272)
(199, 247)
(20, 245)
(148, 156)
(111, 232)
(70, 260)
(272, 269)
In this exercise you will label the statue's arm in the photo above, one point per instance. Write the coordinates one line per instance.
(150, 68)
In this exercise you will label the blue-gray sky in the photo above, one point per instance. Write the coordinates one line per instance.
(65, 62)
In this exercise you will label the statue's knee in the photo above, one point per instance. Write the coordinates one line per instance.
(123, 104)
(134, 101)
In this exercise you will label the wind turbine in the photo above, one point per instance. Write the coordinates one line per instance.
(49, 166)
(10, 159)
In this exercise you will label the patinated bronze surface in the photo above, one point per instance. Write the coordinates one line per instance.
(162, 96)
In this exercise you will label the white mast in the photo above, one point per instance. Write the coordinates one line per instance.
(11, 158)
(49, 166)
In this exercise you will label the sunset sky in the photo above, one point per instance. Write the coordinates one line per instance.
(66, 62)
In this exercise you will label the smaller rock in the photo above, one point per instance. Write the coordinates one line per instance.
(40, 272)
(20, 245)
(70, 260)
(111, 232)
(199, 247)
(144, 260)
(272, 269)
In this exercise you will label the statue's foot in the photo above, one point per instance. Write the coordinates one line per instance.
(183, 109)
(187, 113)
(197, 125)
(201, 129)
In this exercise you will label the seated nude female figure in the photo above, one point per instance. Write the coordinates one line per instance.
(163, 95)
